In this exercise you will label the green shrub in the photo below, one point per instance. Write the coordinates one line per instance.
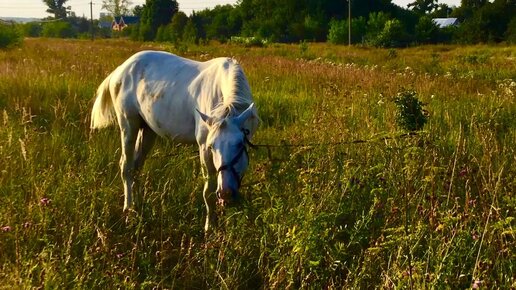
(9, 36)
(392, 35)
(510, 34)
(248, 41)
(426, 30)
(338, 32)
(31, 29)
(58, 29)
(410, 114)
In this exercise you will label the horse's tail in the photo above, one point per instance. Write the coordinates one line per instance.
(102, 114)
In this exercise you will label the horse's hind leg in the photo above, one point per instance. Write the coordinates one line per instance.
(144, 143)
(129, 132)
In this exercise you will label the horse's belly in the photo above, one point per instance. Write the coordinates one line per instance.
(174, 121)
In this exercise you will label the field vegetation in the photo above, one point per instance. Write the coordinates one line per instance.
(431, 209)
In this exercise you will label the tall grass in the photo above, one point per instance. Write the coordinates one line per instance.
(434, 210)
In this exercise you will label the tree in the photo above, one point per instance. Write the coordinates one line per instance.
(488, 23)
(116, 7)
(426, 30)
(58, 29)
(177, 26)
(338, 33)
(138, 10)
(156, 13)
(9, 36)
(190, 33)
(220, 23)
(442, 11)
(423, 7)
(56, 7)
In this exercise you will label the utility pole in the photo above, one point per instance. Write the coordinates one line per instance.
(349, 22)
(91, 21)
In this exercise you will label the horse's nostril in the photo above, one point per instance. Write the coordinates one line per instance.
(224, 196)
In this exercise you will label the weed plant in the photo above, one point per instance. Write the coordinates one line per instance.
(432, 210)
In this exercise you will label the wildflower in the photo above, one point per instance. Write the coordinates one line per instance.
(6, 229)
(45, 201)
(477, 284)
(463, 172)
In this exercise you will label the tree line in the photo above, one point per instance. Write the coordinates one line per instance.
(378, 23)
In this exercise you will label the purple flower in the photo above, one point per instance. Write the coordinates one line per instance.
(477, 284)
(6, 229)
(463, 172)
(45, 201)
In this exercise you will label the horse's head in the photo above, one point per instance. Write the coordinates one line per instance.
(226, 142)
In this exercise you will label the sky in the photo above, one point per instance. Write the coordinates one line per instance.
(37, 9)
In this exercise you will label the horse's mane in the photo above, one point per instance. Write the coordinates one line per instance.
(236, 94)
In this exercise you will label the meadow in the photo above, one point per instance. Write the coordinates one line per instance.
(434, 209)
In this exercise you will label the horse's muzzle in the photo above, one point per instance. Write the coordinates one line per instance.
(227, 197)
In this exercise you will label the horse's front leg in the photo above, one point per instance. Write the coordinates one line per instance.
(210, 185)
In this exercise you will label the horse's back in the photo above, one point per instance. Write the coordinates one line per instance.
(164, 90)
(153, 85)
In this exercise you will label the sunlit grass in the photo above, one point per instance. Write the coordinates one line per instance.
(345, 216)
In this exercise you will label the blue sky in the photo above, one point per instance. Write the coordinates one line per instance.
(36, 8)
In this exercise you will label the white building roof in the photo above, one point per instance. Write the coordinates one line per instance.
(445, 22)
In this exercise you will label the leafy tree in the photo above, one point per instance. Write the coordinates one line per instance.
(468, 8)
(191, 33)
(392, 35)
(9, 36)
(423, 7)
(177, 26)
(138, 10)
(155, 13)
(79, 24)
(489, 23)
(220, 23)
(426, 30)
(338, 33)
(58, 29)
(366, 7)
(116, 7)
(31, 29)
(375, 25)
(510, 34)
(442, 11)
(56, 7)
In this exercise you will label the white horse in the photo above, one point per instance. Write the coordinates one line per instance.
(208, 103)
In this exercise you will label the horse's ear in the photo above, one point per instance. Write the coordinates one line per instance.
(205, 118)
(249, 112)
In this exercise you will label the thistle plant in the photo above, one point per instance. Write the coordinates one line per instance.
(410, 115)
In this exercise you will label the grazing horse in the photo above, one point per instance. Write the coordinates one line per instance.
(204, 103)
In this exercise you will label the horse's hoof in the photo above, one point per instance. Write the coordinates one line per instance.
(130, 215)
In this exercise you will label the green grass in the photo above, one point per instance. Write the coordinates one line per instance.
(435, 210)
